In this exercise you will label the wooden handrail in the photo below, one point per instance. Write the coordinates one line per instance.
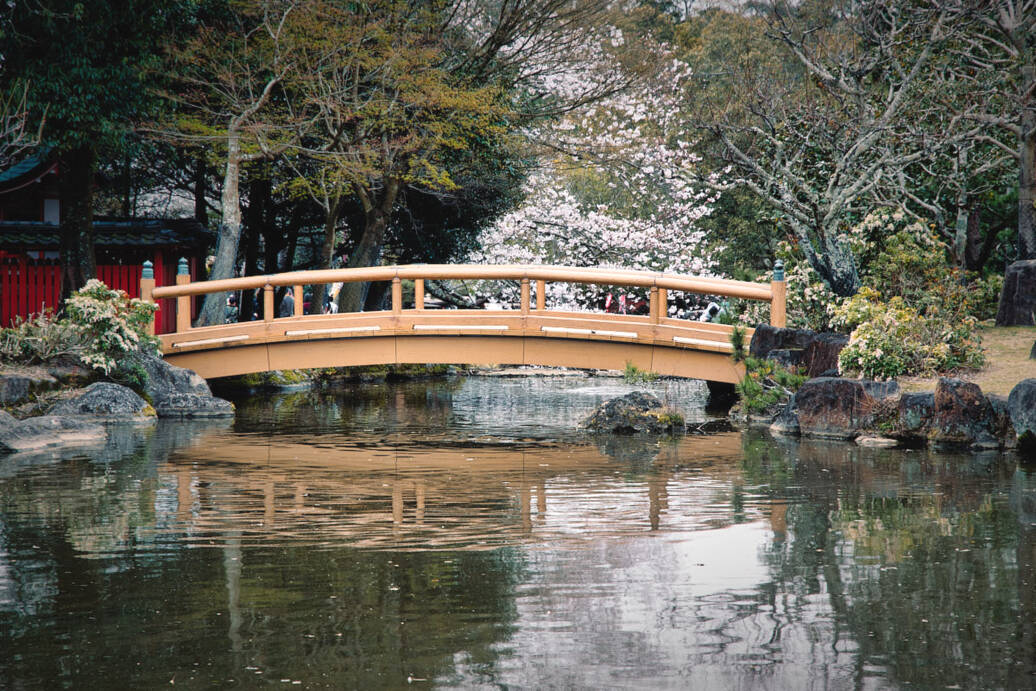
(562, 274)
(658, 284)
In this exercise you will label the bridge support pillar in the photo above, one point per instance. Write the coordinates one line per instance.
(541, 295)
(268, 303)
(525, 296)
(397, 296)
(147, 286)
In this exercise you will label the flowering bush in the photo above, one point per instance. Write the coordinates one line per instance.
(892, 338)
(111, 324)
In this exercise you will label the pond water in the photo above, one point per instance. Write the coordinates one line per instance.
(462, 533)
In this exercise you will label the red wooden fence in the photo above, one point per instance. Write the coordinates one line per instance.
(29, 286)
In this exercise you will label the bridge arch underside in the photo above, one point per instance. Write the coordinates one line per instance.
(669, 347)
(468, 350)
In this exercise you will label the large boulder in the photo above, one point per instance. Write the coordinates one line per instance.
(1003, 429)
(638, 411)
(1021, 405)
(835, 408)
(1018, 297)
(914, 416)
(178, 392)
(821, 354)
(107, 401)
(16, 387)
(962, 416)
(48, 431)
(769, 338)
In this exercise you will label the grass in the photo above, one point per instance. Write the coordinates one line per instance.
(1007, 362)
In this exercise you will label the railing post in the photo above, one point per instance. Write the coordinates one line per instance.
(663, 304)
(397, 295)
(147, 287)
(653, 305)
(183, 302)
(780, 294)
(541, 296)
(297, 299)
(418, 293)
(267, 303)
(525, 296)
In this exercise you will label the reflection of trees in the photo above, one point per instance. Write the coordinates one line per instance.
(917, 554)
(96, 597)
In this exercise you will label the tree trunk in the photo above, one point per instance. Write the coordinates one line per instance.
(327, 249)
(78, 264)
(1027, 168)
(368, 251)
(214, 310)
(201, 209)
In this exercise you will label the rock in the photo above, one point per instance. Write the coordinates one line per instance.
(769, 338)
(914, 416)
(107, 401)
(821, 354)
(638, 411)
(180, 393)
(1003, 428)
(1021, 405)
(961, 415)
(1018, 297)
(787, 357)
(787, 421)
(834, 408)
(48, 431)
(190, 405)
(876, 442)
(16, 387)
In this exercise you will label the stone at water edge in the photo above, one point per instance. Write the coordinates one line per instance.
(638, 411)
(836, 408)
(1021, 405)
(1003, 428)
(49, 431)
(1032, 353)
(961, 416)
(180, 393)
(914, 416)
(108, 401)
(1018, 298)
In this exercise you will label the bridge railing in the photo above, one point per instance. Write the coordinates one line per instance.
(658, 284)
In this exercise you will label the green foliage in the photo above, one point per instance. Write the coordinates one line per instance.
(111, 324)
(737, 343)
(634, 375)
(40, 338)
(892, 338)
(766, 384)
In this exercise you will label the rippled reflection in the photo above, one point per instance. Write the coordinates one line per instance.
(432, 534)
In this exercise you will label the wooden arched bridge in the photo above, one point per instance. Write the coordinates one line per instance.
(532, 334)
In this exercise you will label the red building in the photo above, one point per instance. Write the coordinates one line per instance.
(30, 271)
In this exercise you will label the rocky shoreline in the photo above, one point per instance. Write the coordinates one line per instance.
(85, 418)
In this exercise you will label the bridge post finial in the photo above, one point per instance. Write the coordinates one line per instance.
(182, 267)
(147, 288)
(779, 294)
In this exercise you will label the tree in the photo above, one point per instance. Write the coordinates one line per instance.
(83, 64)
(816, 143)
(225, 81)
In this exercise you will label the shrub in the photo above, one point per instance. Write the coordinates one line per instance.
(634, 375)
(112, 324)
(892, 338)
(40, 338)
(766, 383)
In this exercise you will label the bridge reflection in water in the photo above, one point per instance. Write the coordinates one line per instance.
(468, 497)
(529, 335)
